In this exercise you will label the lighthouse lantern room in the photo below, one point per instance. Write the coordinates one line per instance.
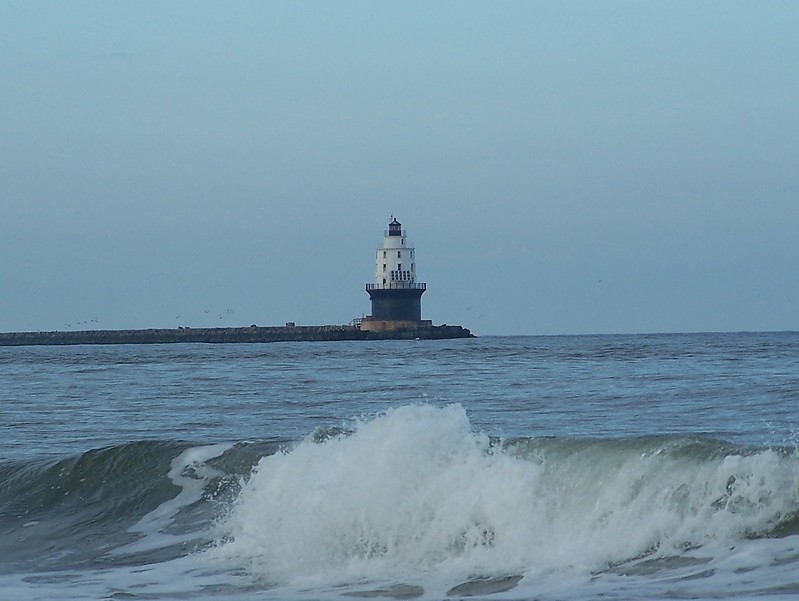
(395, 294)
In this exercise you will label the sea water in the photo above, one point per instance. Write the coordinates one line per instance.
(620, 467)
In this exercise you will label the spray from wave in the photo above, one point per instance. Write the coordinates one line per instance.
(415, 494)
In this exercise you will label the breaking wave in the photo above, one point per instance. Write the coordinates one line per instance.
(409, 503)
(415, 494)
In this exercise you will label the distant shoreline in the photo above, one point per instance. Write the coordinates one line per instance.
(251, 334)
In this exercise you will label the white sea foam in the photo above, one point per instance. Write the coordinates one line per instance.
(190, 472)
(415, 496)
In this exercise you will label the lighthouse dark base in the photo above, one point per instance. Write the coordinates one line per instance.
(397, 304)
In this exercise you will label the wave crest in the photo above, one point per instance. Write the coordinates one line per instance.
(416, 491)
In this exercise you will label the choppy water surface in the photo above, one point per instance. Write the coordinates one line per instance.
(625, 467)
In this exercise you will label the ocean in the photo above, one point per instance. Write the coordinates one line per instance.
(546, 468)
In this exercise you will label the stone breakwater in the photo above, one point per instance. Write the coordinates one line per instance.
(252, 334)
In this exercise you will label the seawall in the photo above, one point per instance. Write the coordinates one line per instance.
(252, 334)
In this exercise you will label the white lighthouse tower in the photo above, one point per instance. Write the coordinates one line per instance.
(396, 295)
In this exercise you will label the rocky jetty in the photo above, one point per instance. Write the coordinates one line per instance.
(252, 334)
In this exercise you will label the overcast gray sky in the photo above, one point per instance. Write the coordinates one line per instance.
(580, 167)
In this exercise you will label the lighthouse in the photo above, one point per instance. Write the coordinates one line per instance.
(395, 294)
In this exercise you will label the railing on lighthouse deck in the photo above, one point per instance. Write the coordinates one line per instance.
(398, 286)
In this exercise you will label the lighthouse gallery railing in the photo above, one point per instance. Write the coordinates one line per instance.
(398, 286)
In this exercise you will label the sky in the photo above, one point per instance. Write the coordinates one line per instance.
(561, 167)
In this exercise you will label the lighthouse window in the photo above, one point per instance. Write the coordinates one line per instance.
(384, 254)
(399, 267)
(384, 266)
(399, 254)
